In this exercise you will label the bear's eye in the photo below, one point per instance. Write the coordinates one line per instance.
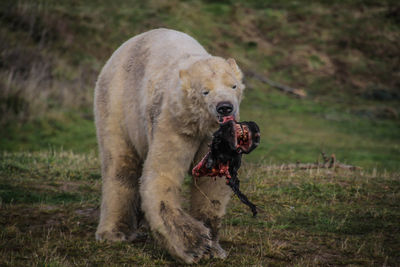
(234, 87)
(205, 92)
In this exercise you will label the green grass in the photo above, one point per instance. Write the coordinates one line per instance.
(50, 207)
(70, 131)
(344, 54)
(292, 130)
(298, 130)
(345, 61)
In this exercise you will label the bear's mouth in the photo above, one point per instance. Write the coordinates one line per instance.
(225, 119)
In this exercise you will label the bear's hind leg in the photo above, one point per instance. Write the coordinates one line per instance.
(209, 198)
(120, 208)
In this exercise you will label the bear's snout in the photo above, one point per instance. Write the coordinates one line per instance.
(224, 108)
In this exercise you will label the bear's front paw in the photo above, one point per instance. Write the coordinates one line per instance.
(187, 238)
(196, 242)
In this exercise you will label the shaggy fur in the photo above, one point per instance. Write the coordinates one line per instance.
(154, 119)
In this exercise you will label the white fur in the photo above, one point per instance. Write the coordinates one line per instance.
(152, 121)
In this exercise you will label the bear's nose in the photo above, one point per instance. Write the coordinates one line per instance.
(224, 108)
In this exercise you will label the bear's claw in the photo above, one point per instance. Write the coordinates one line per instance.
(194, 254)
(115, 235)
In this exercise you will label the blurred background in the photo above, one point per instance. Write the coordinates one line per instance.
(339, 62)
(342, 56)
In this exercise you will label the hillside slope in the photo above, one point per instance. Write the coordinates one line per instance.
(343, 54)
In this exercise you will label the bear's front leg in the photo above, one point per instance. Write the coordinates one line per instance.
(167, 162)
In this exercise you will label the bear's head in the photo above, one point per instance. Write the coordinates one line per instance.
(212, 89)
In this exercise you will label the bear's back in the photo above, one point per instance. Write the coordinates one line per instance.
(166, 42)
(136, 82)
(156, 48)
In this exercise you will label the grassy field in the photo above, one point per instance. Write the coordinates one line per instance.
(50, 206)
(343, 54)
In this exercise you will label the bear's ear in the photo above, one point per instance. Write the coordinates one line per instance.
(236, 70)
(185, 80)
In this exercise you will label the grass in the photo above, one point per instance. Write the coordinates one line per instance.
(344, 54)
(294, 130)
(345, 61)
(70, 130)
(50, 205)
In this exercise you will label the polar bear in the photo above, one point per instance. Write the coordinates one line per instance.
(157, 101)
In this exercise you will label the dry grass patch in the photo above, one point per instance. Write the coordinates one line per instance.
(50, 206)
